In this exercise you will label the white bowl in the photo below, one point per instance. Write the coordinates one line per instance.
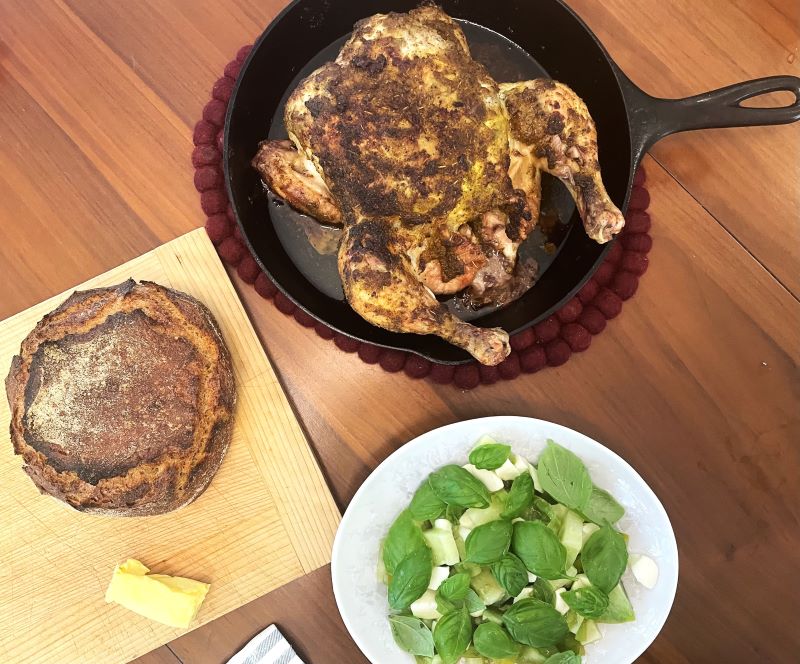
(387, 491)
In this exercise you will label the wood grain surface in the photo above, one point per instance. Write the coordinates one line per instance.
(267, 517)
(696, 384)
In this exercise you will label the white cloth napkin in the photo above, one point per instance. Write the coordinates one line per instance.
(267, 647)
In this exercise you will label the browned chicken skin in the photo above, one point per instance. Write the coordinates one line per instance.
(432, 168)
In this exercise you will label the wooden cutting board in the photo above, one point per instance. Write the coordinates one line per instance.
(267, 517)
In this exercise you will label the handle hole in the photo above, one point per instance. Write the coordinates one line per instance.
(780, 99)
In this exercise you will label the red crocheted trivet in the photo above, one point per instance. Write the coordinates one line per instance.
(550, 343)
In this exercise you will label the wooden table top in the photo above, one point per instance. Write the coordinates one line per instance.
(696, 384)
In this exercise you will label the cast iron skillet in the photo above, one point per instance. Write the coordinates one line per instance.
(629, 122)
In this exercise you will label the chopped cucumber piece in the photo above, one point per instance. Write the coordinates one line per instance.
(493, 615)
(508, 471)
(472, 656)
(619, 607)
(521, 463)
(425, 607)
(558, 516)
(580, 582)
(477, 516)
(561, 605)
(473, 569)
(383, 575)
(438, 576)
(461, 541)
(442, 543)
(489, 479)
(645, 570)
(524, 594)
(574, 621)
(487, 587)
(588, 632)
(589, 529)
(561, 583)
(531, 656)
(537, 485)
(571, 535)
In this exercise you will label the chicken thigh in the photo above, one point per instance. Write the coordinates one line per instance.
(431, 167)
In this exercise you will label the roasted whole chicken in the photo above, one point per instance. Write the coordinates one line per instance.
(432, 168)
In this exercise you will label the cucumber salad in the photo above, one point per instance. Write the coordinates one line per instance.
(501, 561)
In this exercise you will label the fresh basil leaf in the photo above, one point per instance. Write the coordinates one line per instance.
(567, 657)
(520, 497)
(404, 537)
(445, 606)
(455, 587)
(511, 573)
(426, 505)
(452, 635)
(452, 593)
(488, 542)
(455, 486)
(543, 591)
(539, 549)
(411, 578)
(493, 641)
(473, 602)
(539, 510)
(535, 623)
(602, 507)
(604, 558)
(453, 513)
(489, 456)
(564, 476)
(544, 507)
(590, 602)
(412, 635)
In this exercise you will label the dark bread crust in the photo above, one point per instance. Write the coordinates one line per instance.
(99, 451)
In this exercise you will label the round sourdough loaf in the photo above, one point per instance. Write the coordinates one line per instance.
(122, 400)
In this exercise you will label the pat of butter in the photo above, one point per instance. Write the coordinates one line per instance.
(172, 600)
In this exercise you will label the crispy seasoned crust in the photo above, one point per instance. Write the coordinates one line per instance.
(122, 400)
(405, 126)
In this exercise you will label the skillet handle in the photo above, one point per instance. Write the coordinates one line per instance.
(723, 107)
(653, 118)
